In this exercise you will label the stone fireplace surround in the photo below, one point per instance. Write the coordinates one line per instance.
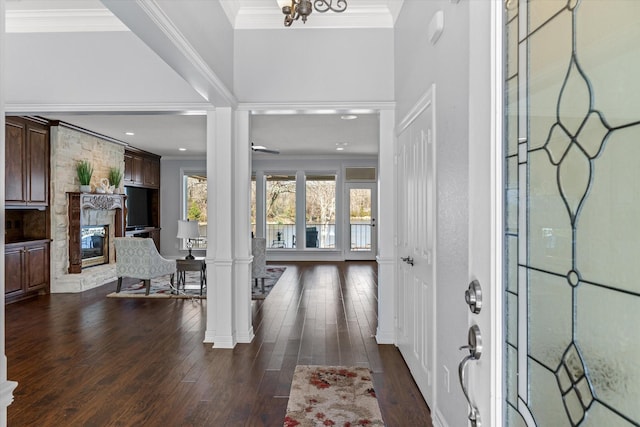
(93, 210)
(68, 146)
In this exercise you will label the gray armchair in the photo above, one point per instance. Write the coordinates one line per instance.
(259, 265)
(138, 258)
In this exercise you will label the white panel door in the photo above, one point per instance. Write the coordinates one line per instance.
(416, 245)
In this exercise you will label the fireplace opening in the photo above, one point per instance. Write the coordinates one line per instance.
(94, 245)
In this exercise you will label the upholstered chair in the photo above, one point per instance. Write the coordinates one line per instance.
(259, 266)
(138, 258)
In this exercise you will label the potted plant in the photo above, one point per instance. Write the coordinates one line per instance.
(84, 169)
(115, 177)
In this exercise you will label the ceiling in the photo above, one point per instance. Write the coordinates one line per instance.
(298, 134)
(291, 134)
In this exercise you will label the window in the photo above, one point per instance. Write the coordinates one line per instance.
(280, 204)
(320, 211)
(195, 205)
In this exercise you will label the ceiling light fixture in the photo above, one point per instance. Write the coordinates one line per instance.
(296, 9)
(349, 117)
(182, 149)
(129, 133)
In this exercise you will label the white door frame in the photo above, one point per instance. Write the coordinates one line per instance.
(485, 376)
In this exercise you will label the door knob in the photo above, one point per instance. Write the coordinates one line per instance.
(407, 259)
(474, 345)
(473, 297)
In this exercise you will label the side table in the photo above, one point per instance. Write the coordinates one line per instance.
(197, 264)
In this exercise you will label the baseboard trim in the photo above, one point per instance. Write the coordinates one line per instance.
(209, 336)
(224, 342)
(246, 338)
(438, 419)
(6, 392)
(385, 337)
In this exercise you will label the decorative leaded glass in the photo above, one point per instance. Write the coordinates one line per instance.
(572, 212)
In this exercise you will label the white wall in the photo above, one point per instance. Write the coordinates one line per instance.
(92, 71)
(323, 66)
(418, 64)
(171, 203)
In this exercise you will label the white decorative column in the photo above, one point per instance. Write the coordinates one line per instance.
(242, 227)
(6, 387)
(386, 224)
(221, 329)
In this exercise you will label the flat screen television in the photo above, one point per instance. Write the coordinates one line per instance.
(138, 208)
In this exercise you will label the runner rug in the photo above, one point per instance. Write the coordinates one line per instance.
(332, 396)
(160, 286)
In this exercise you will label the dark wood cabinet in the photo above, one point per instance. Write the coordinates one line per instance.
(127, 176)
(26, 162)
(141, 170)
(155, 235)
(13, 270)
(26, 269)
(151, 169)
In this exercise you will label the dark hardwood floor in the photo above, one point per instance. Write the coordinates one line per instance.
(87, 360)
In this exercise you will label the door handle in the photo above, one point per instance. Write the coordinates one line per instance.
(475, 351)
(407, 259)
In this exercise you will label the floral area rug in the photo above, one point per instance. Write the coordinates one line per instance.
(270, 280)
(332, 396)
(160, 288)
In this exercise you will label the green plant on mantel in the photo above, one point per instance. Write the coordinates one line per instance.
(84, 169)
(115, 176)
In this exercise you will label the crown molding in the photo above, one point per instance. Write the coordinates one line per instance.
(62, 20)
(317, 107)
(168, 28)
(150, 108)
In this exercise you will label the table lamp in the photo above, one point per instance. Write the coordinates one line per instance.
(188, 230)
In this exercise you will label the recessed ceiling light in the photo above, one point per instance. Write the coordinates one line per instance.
(129, 133)
(182, 149)
(339, 148)
(349, 117)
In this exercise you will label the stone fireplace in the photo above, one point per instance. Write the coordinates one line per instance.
(68, 146)
(89, 216)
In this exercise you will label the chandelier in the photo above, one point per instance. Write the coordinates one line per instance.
(303, 8)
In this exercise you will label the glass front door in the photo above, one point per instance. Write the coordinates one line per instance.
(361, 227)
(572, 237)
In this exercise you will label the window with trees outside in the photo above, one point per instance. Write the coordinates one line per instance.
(281, 211)
(320, 211)
(195, 191)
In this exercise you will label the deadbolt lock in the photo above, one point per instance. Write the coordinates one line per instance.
(473, 297)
